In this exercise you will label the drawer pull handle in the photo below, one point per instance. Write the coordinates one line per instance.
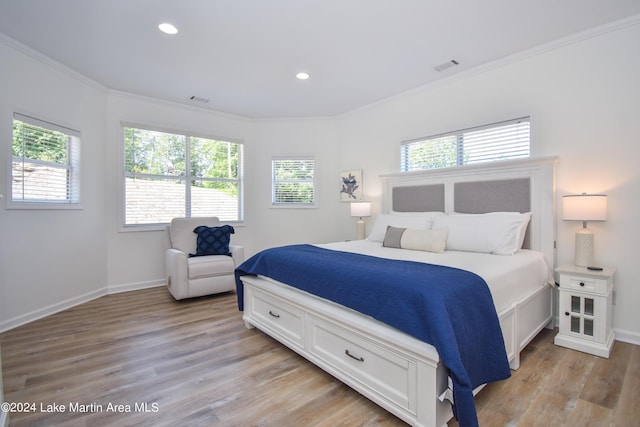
(277, 316)
(581, 283)
(359, 359)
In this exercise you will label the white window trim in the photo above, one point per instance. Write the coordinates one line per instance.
(55, 125)
(520, 117)
(313, 205)
(127, 228)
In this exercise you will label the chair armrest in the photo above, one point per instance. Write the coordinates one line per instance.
(176, 253)
(237, 253)
(175, 263)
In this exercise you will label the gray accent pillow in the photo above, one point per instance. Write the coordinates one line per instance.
(393, 237)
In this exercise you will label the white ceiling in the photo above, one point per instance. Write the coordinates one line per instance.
(243, 54)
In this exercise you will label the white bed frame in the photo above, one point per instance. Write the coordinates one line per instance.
(398, 372)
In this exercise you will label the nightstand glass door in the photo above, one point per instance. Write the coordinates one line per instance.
(581, 314)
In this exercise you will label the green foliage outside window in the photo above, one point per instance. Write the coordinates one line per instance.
(160, 153)
(170, 175)
(33, 142)
(510, 139)
(438, 153)
(45, 163)
(293, 181)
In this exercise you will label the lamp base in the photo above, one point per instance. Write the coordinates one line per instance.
(360, 230)
(584, 248)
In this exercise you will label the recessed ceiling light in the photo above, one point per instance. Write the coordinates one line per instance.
(302, 76)
(168, 28)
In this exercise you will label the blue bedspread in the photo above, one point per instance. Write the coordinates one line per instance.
(451, 309)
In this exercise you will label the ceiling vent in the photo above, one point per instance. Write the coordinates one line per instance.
(446, 65)
(199, 99)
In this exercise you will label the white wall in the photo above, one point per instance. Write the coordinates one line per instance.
(50, 259)
(278, 226)
(4, 416)
(583, 99)
(136, 258)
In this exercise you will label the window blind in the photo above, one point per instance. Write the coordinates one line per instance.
(498, 141)
(293, 181)
(45, 162)
(170, 175)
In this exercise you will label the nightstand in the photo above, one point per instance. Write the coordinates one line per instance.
(585, 308)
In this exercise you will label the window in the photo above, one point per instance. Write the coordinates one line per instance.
(45, 164)
(170, 175)
(293, 181)
(498, 141)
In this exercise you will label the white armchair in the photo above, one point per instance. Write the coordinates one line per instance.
(195, 276)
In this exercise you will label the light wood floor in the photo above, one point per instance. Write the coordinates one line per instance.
(194, 363)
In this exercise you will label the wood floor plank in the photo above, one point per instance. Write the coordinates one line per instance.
(605, 380)
(564, 381)
(362, 412)
(529, 380)
(194, 363)
(627, 410)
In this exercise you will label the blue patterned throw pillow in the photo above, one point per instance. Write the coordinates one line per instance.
(213, 240)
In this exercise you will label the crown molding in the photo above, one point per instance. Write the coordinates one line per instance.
(176, 104)
(510, 59)
(50, 62)
(507, 60)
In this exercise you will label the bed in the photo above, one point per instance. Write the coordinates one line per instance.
(394, 367)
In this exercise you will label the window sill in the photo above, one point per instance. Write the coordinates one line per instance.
(45, 206)
(294, 206)
(162, 227)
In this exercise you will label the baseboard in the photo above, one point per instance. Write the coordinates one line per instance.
(51, 309)
(72, 302)
(627, 336)
(127, 287)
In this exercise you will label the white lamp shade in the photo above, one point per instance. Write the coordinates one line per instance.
(584, 207)
(360, 209)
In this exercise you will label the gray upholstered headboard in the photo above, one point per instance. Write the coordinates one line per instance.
(509, 195)
(418, 198)
(471, 197)
(509, 186)
(477, 197)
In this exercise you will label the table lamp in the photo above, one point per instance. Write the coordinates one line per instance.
(584, 207)
(360, 209)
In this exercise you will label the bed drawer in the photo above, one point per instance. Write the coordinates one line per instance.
(381, 370)
(276, 315)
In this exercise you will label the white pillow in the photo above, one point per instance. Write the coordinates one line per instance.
(421, 222)
(500, 233)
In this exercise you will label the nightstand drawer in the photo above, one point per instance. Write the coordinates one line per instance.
(586, 284)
